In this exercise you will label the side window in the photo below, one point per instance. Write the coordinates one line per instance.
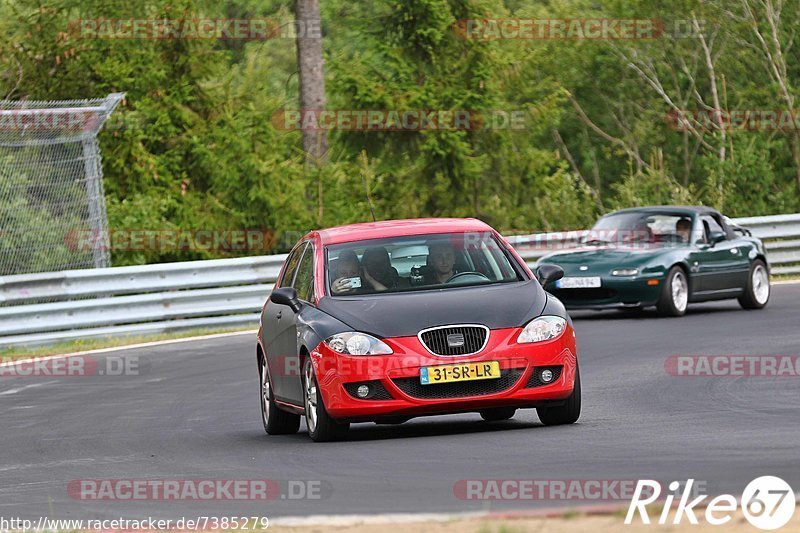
(304, 283)
(711, 226)
(291, 266)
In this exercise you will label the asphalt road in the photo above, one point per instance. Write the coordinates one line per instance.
(193, 413)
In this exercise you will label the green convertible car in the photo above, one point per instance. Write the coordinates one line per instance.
(666, 256)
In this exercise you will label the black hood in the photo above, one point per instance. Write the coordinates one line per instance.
(505, 305)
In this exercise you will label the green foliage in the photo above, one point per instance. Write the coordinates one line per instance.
(650, 187)
(747, 183)
(565, 199)
(194, 145)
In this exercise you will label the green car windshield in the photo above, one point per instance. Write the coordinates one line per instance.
(642, 228)
(409, 263)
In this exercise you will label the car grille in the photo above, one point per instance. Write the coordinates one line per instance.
(379, 392)
(534, 380)
(455, 340)
(459, 389)
(584, 294)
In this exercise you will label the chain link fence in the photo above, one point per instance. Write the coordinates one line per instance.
(51, 185)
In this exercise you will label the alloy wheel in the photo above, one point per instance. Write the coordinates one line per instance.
(760, 284)
(265, 393)
(680, 291)
(311, 398)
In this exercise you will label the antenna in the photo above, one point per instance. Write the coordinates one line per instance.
(364, 181)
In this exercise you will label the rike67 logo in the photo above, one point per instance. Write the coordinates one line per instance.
(768, 503)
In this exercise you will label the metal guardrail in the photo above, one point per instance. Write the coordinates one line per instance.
(221, 293)
(72, 284)
(129, 301)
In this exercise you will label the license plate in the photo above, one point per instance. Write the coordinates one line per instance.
(462, 372)
(578, 283)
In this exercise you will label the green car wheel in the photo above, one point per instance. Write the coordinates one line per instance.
(674, 293)
(756, 294)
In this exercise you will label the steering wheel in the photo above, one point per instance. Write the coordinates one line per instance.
(462, 275)
(671, 237)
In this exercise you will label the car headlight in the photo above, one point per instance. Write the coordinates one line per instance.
(625, 272)
(354, 343)
(541, 329)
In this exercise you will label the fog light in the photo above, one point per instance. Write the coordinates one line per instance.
(362, 391)
(546, 376)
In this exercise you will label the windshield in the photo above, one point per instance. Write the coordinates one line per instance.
(418, 262)
(640, 228)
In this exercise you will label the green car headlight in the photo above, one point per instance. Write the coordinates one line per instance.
(625, 272)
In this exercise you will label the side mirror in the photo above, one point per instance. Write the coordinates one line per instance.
(716, 237)
(549, 273)
(286, 296)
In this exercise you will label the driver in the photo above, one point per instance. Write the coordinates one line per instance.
(441, 262)
(683, 228)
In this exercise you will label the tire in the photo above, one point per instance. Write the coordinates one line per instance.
(276, 421)
(564, 414)
(498, 413)
(674, 293)
(757, 292)
(321, 426)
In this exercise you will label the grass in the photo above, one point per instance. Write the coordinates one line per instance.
(81, 345)
(502, 528)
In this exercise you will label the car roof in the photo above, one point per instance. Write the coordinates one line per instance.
(681, 209)
(398, 228)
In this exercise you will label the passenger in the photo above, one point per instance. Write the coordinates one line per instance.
(348, 269)
(684, 229)
(441, 262)
(378, 269)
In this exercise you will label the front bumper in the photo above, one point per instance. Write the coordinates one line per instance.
(401, 395)
(613, 293)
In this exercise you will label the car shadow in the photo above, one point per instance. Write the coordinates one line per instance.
(413, 429)
(420, 428)
(650, 313)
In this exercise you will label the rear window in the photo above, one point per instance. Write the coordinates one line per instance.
(419, 262)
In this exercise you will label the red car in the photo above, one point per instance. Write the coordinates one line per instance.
(391, 320)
